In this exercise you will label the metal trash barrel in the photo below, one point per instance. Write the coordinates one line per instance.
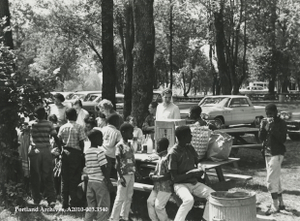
(232, 206)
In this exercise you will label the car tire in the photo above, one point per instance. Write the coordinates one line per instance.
(294, 137)
(218, 122)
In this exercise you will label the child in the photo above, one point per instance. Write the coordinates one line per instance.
(73, 136)
(137, 132)
(99, 183)
(41, 159)
(162, 190)
(126, 170)
(111, 136)
(56, 153)
(182, 164)
(273, 134)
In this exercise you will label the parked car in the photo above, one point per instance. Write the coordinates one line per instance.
(254, 90)
(228, 110)
(292, 119)
(90, 102)
(81, 95)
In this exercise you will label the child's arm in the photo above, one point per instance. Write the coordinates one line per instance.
(81, 145)
(107, 178)
(122, 179)
(161, 177)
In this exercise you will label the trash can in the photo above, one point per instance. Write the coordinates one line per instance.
(281, 97)
(232, 206)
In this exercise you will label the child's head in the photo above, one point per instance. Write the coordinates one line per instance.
(162, 144)
(71, 114)
(113, 119)
(126, 130)
(53, 118)
(183, 134)
(130, 119)
(90, 123)
(40, 113)
(96, 137)
(271, 110)
(195, 112)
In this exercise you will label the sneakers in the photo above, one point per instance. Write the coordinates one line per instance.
(271, 210)
(282, 207)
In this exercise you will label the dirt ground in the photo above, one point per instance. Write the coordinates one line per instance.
(251, 163)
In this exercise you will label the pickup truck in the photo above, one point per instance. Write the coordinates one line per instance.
(226, 110)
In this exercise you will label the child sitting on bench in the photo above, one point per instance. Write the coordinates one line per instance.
(163, 187)
(182, 163)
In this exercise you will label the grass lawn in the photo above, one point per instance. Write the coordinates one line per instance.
(251, 163)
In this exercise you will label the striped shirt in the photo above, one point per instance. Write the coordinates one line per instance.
(41, 130)
(94, 159)
(71, 133)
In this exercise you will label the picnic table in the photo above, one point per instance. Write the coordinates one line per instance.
(240, 140)
(145, 164)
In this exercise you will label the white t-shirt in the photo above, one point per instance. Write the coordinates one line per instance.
(170, 111)
(81, 115)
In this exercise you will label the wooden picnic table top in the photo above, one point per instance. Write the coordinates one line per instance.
(144, 157)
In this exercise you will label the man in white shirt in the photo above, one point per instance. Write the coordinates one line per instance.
(81, 113)
(167, 110)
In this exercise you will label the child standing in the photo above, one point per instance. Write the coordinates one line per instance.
(41, 159)
(162, 190)
(73, 136)
(273, 134)
(126, 169)
(137, 132)
(99, 183)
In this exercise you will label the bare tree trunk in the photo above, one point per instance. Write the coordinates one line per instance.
(109, 73)
(143, 54)
(220, 47)
(4, 12)
(129, 41)
(171, 44)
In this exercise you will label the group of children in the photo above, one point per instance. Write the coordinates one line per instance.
(110, 148)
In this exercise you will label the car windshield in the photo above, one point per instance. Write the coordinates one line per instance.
(214, 101)
(77, 96)
(91, 97)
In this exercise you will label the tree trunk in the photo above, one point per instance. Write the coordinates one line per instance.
(4, 12)
(109, 73)
(171, 44)
(220, 47)
(129, 41)
(272, 45)
(143, 54)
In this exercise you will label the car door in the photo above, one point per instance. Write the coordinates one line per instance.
(237, 111)
(249, 111)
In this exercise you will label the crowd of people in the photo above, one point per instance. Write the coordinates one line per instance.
(110, 154)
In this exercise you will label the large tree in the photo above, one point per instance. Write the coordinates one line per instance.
(109, 72)
(5, 27)
(143, 55)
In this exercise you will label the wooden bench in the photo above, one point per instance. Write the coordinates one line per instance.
(137, 186)
(232, 176)
(199, 202)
